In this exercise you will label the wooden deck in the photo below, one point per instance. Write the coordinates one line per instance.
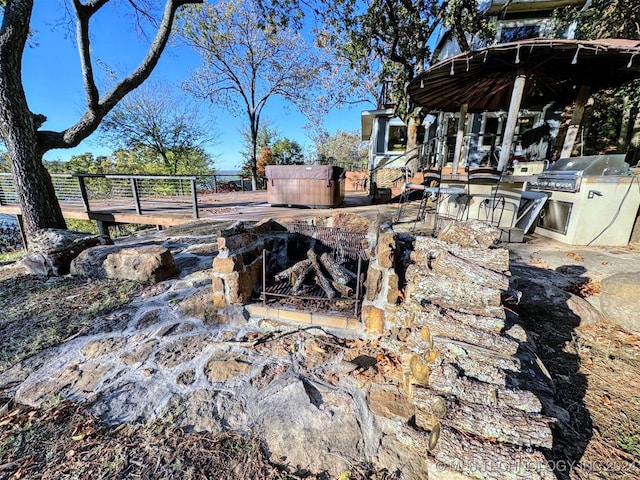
(169, 201)
(139, 199)
(165, 212)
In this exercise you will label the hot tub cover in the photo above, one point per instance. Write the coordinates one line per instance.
(315, 172)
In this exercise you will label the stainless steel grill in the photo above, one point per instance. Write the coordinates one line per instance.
(590, 200)
(567, 173)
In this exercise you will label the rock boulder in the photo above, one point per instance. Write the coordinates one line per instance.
(619, 299)
(148, 263)
(51, 251)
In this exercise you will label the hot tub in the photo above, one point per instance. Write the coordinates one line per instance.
(314, 186)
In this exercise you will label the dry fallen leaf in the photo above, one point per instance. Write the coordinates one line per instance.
(575, 256)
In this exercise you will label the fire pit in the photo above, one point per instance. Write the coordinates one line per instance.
(324, 269)
(339, 267)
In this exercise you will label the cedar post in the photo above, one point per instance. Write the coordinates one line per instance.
(512, 118)
(576, 119)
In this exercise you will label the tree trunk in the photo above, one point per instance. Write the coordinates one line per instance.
(413, 124)
(40, 207)
(496, 259)
(254, 128)
(37, 196)
(623, 138)
(18, 127)
(500, 424)
(635, 131)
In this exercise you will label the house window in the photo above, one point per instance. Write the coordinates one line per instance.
(524, 124)
(397, 138)
(490, 134)
(513, 34)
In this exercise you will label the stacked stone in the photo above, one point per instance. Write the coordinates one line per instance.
(237, 269)
(474, 411)
(381, 287)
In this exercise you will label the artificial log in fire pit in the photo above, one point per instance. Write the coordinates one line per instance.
(327, 278)
(333, 279)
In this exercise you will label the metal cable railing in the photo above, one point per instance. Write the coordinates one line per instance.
(67, 190)
(8, 194)
(116, 193)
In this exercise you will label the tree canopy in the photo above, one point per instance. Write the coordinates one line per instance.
(246, 61)
(158, 120)
(612, 118)
(272, 150)
(393, 38)
(344, 149)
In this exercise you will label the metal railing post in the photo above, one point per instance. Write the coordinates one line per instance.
(194, 198)
(136, 196)
(83, 193)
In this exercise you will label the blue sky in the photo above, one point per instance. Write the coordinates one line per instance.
(53, 84)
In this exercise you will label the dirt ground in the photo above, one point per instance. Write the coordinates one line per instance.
(596, 369)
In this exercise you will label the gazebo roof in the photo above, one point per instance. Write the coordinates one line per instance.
(555, 70)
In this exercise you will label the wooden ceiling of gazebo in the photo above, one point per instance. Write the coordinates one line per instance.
(555, 70)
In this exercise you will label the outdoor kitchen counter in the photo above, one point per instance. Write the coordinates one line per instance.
(462, 178)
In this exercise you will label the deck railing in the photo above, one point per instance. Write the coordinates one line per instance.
(100, 193)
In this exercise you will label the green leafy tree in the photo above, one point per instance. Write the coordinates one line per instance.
(87, 163)
(344, 149)
(56, 166)
(612, 122)
(266, 136)
(247, 61)
(158, 120)
(390, 39)
(603, 19)
(265, 157)
(287, 152)
(5, 163)
(20, 128)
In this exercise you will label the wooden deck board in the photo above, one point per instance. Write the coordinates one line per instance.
(171, 211)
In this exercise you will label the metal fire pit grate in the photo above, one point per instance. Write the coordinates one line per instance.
(344, 244)
(284, 289)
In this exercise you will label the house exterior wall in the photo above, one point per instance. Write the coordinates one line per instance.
(514, 20)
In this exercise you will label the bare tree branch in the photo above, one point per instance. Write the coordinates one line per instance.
(83, 15)
(96, 112)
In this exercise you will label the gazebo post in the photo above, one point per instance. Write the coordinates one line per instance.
(576, 118)
(512, 119)
(459, 137)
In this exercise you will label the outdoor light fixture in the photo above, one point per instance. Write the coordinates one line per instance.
(631, 60)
